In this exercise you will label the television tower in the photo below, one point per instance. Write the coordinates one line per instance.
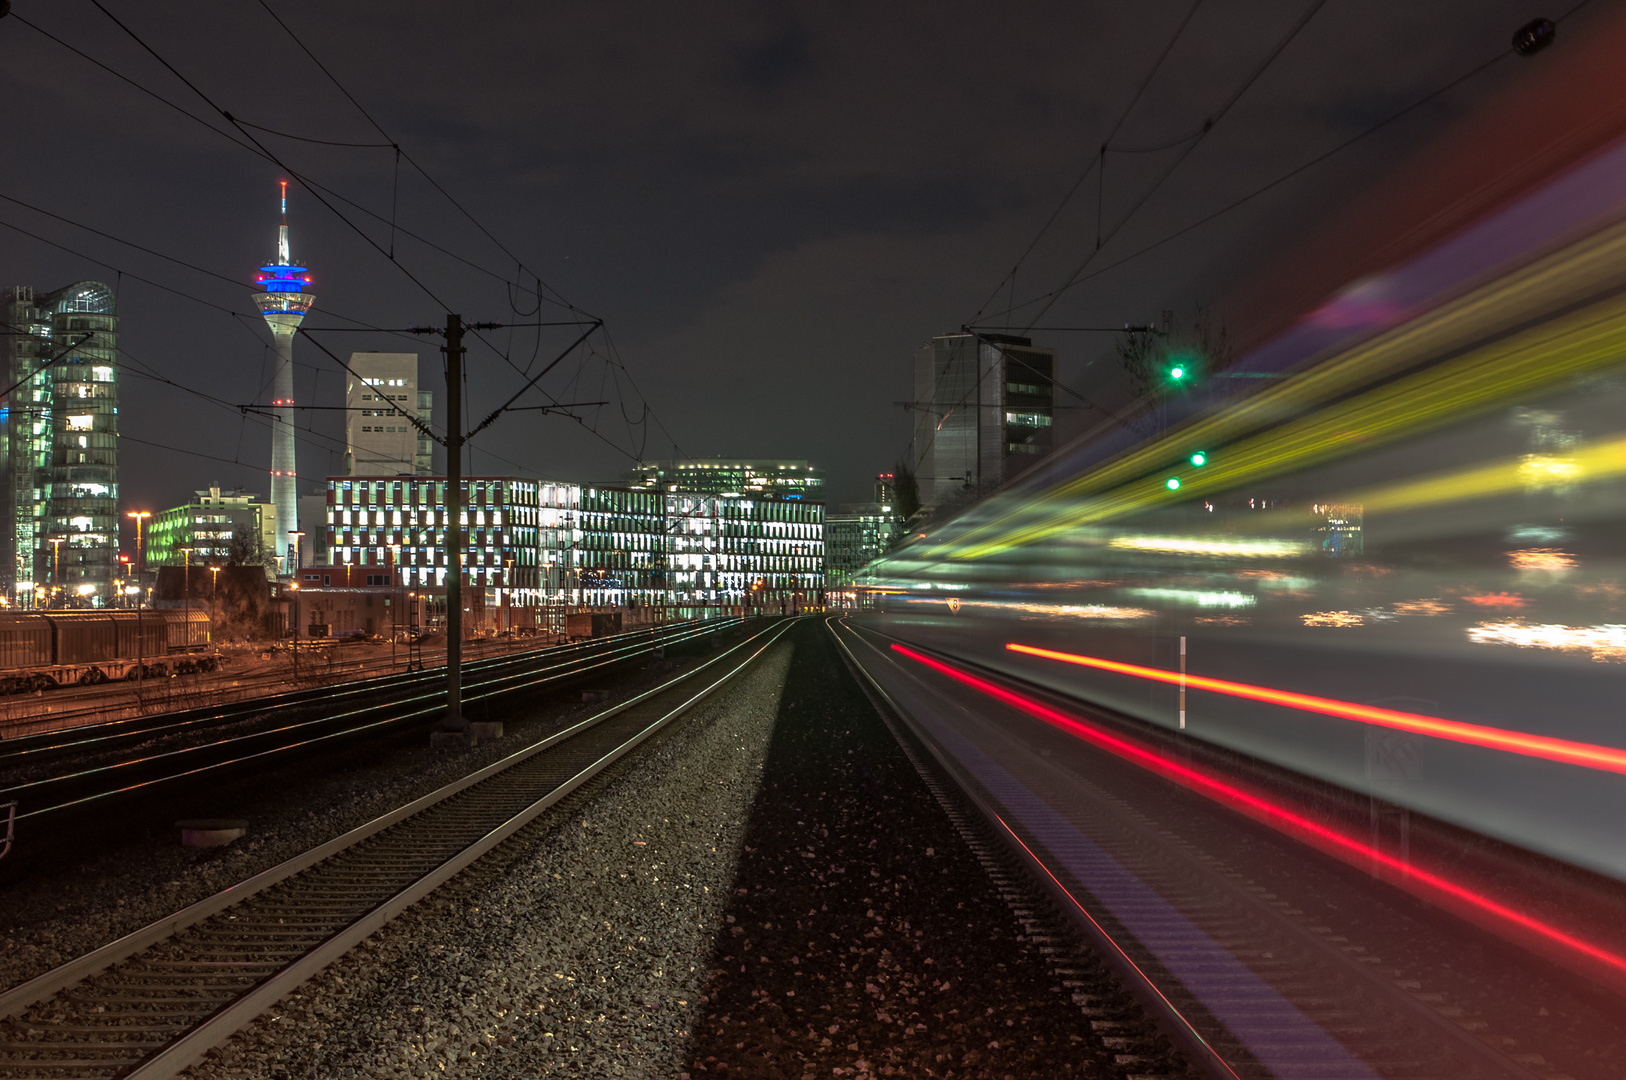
(284, 304)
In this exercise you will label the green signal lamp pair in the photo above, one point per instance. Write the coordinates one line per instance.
(1199, 459)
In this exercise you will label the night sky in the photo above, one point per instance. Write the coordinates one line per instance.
(769, 205)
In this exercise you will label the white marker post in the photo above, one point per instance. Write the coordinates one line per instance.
(1182, 682)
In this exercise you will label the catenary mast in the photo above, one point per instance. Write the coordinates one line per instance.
(284, 304)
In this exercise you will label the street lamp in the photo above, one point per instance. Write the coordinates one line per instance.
(56, 565)
(299, 538)
(214, 587)
(141, 658)
(186, 592)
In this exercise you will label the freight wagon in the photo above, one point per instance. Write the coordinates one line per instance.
(47, 650)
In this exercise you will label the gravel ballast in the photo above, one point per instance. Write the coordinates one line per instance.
(578, 948)
(77, 901)
(767, 888)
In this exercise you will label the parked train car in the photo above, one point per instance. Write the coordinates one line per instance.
(46, 650)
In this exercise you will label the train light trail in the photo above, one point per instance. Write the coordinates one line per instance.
(1284, 818)
(1586, 755)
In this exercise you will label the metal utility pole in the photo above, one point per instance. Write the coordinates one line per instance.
(141, 658)
(456, 540)
(453, 349)
(298, 538)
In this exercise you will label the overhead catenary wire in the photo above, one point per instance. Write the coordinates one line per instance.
(1095, 160)
(1208, 126)
(1298, 170)
(244, 140)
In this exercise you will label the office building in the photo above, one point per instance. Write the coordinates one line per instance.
(386, 427)
(773, 477)
(984, 411)
(619, 556)
(283, 303)
(219, 526)
(535, 548)
(731, 551)
(400, 523)
(854, 536)
(60, 440)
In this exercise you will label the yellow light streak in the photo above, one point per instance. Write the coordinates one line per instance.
(1578, 342)
(1182, 545)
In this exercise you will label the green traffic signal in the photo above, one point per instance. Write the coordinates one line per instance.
(1172, 483)
(1199, 458)
(1177, 372)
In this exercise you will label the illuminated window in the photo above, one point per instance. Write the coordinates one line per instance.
(1027, 419)
(80, 423)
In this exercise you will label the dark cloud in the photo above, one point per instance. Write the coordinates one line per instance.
(769, 66)
(771, 206)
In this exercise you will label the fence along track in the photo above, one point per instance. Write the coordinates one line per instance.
(154, 1002)
(187, 762)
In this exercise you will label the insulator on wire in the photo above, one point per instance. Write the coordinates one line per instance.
(1534, 36)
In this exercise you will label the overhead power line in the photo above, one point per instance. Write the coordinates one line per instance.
(1298, 170)
(1099, 160)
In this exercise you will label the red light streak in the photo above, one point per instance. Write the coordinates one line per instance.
(1587, 755)
(1277, 816)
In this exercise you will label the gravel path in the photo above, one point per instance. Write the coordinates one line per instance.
(864, 936)
(577, 949)
(51, 913)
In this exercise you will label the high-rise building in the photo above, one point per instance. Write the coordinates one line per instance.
(60, 441)
(284, 304)
(984, 413)
(381, 400)
(775, 477)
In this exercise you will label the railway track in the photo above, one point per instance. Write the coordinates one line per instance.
(134, 756)
(1243, 980)
(28, 716)
(44, 745)
(148, 1005)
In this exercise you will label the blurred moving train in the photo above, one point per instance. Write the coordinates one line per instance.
(48, 650)
(1392, 559)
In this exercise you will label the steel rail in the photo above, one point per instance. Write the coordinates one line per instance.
(303, 734)
(140, 727)
(1141, 985)
(1119, 948)
(297, 918)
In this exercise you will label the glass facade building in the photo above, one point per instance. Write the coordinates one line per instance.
(726, 551)
(401, 523)
(60, 442)
(773, 477)
(856, 535)
(555, 545)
